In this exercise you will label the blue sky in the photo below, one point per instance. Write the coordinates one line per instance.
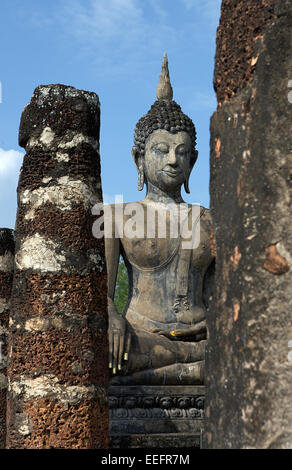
(114, 48)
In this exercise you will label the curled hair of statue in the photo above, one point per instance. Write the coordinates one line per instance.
(166, 114)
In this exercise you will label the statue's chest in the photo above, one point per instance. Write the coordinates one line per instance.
(150, 253)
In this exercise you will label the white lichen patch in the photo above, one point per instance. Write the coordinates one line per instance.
(45, 140)
(23, 424)
(3, 381)
(62, 157)
(3, 331)
(48, 386)
(77, 140)
(3, 361)
(47, 93)
(39, 253)
(47, 136)
(32, 142)
(3, 305)
(66, 194)
(92, 98)
(95, 258)
(44, 93)
(37, 324)
(40, 323)
(7, 262)
(46, 180)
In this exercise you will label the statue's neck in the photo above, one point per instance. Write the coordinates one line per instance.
(155, 194)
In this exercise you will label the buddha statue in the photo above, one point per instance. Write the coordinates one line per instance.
(161, 336)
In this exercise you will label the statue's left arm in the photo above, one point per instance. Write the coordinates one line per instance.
(198, 330)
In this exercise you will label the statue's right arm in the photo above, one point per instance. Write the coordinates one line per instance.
(119, 338)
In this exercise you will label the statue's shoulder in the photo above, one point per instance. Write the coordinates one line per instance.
(207, 224)
(206, 218)
(205, 213)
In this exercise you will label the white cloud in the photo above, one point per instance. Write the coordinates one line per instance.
(10, 163)
(117, 34)
(122, 30)
(102, 19)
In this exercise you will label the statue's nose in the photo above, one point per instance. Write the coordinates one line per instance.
(172, 159)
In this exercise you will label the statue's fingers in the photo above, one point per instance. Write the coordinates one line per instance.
(110, 350)
(127, 346)
(161, 332)
(183, 332)
(167, 334)
(116, 352)
(191, 331)
(121, 351)
(199, 327)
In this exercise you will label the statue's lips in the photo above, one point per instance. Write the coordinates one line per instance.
(172, 173)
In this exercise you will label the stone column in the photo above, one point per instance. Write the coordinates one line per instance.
(248, 371)
(58, 359)
(6, 278)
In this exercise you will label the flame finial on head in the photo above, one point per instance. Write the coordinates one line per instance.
(164, 114)
(164, 89)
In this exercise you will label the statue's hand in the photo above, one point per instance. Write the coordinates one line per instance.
(119, 339)
(198, 329)
(193, 330)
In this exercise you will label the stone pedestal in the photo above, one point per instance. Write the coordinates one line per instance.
(156, 416)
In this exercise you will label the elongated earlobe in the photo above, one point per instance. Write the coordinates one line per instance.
(186, 185)
(193, 161)
(140, 179)
(139, 166)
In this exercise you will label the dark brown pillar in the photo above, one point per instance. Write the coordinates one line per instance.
(6, 279)
(58, 372)
(248, 370)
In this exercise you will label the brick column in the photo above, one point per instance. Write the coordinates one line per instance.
(248, 370)
(6, 278)
(58, 371)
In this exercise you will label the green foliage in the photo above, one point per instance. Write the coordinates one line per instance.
(122, 287)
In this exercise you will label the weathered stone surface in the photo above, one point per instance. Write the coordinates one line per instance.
(248, 373)
(6, 279)
(58, 362)
(46, 423)
(241, 24)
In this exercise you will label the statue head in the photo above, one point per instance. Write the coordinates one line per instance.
(165, 141)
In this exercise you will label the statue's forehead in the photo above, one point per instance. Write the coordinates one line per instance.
(162, 135)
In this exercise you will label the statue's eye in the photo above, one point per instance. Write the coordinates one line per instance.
(162, 148)
(181, 150)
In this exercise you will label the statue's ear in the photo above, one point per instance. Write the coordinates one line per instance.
(139, 165)
(192, 162)
(194, 158)
(136, 157)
